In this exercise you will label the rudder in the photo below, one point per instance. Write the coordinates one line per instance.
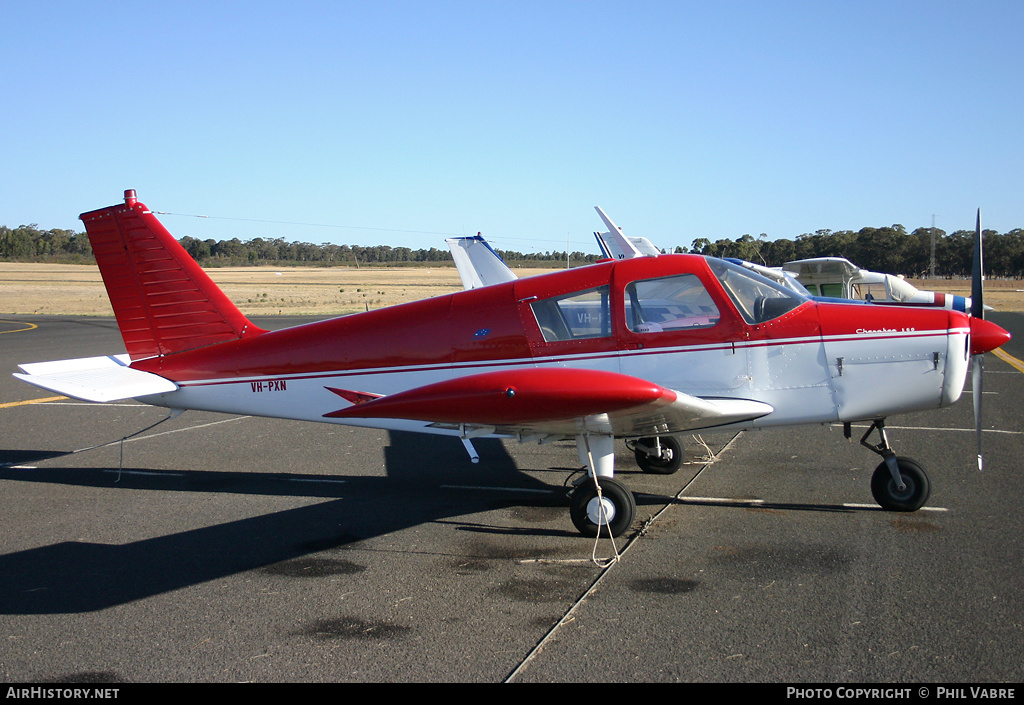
(163, 300)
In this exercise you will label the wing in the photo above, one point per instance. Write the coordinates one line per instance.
(553, 401)
(96, 379)
(836, 266)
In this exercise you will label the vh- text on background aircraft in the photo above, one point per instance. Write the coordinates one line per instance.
(639, 348)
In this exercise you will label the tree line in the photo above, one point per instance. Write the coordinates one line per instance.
(264, 251)
(28, 243)
(920, 253)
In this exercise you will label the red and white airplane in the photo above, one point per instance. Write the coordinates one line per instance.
(640, 349)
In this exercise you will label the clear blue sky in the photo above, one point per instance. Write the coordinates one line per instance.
(393, 121)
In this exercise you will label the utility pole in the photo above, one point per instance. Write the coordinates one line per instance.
(931, 262)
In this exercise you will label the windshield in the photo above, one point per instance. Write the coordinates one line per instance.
(758, 299)
(776, 274)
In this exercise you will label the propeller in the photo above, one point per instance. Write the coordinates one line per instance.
(977, 314)
(985, 335)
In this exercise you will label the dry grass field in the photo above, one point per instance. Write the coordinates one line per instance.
(78, 290)
(66, 289)
(1000, 294)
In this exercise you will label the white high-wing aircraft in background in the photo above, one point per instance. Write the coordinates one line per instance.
(837, 277)
(828, 277)
(639, 348)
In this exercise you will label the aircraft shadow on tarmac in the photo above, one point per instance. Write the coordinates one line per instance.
(73, 576)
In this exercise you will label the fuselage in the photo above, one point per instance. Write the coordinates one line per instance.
(685, 322)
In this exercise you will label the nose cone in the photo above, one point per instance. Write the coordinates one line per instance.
(986, 336)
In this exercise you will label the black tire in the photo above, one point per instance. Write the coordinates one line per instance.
(584, 506)
(890, 498)
(671, 460)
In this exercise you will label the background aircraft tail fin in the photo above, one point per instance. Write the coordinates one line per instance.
(164, 302)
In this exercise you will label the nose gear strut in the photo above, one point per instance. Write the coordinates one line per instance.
(883, 449)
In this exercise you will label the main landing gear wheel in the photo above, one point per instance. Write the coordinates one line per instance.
(890, 497)
(611, 513)
(667, 462)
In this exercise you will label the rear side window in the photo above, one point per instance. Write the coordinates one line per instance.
(582, 314)
(669, 303)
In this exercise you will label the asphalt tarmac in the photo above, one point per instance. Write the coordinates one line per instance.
(214, 548)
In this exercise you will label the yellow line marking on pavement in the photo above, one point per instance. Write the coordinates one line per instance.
(1008, 358)
(18, 330)
(30, 401)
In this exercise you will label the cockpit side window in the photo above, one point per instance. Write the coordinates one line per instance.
(870, 291)
(669, 303)
(758, 298)
(582, 314)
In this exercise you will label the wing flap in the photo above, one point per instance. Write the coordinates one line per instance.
(98, 379)
(556, 400)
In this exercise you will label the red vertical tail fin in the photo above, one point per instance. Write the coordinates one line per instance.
(164, 302)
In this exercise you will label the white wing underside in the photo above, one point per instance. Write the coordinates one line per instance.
(687, 413)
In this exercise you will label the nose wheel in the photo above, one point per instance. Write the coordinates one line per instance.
(898, 484)
(909, 495)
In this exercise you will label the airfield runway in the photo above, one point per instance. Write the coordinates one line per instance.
(216, 548)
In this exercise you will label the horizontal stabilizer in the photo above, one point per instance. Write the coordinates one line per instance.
(96, 379)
